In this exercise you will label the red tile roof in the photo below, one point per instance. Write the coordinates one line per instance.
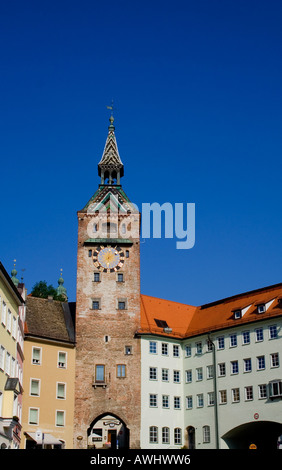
(187, 320)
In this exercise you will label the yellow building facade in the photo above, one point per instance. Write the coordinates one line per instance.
(10, 368)
(49, 375)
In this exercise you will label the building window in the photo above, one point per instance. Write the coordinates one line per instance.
(246, 337)
(164, 349)
(206, 434)
(274, 360)
(153, 402)
(220, 342)
(233, 341)
(273, 332)
(199, 348)
(62, 360)
(121, 370)
(275, 388)
(36, 356)
(2, 358)
(120, 277)
(100, 373)
(60, 418)
(209, 345)
(97, 277)
(34, 387)
(260, 363)
(249, 393)
(176, 376)
(33, 417)
(235, 394)
(165, 401)
(209, 372)
(222, 397)
(200, 400)
(188, 350)
(189, 402)
(176, 403)
(153, 373)
(210, 398)
(153, 434)
(188, 375)
(165, 435)
(61, 391)
(165, 375)
(153, 347)
(221, 369)
(128, 350)
(121, 305)
(247, 365)
(177, 436)
(175, 350)
(96, 304)
(262, 392)
(234, 367)
(4, 312)
(259, 334)
(199, 373)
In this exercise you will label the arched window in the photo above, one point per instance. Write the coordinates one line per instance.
(177, 436)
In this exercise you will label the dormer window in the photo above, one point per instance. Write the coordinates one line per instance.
(237, 314)
(261, 308)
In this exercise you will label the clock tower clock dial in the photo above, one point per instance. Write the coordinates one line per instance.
(108, 259)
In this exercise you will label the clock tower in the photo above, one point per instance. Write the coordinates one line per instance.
(108, 360)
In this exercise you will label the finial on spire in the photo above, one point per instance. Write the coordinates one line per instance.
(112, 114)
(14, 272)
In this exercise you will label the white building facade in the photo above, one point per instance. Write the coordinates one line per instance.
(219, 389)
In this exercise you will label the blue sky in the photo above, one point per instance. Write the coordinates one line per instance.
(197, 87)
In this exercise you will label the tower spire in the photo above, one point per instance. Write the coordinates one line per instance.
(110, 167)
(61, 290)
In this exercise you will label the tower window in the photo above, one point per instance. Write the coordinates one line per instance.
(97, 277)
(120, 277)
(96, 304)
(89, 253)
(121, 370)
(100, 373)
(121, 305)
(127, 253)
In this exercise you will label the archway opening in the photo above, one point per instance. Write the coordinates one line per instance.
(262, 435)
(108, 431)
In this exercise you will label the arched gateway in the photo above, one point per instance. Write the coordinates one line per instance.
(108, 431)
(263, 435)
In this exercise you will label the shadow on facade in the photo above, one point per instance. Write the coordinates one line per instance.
(108, 431)
(263, 434)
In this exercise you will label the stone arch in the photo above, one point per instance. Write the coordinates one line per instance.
(108, 430)
(263, 434)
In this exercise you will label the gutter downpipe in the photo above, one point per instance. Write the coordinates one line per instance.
(215, 394)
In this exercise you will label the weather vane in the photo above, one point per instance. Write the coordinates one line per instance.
(111, 107)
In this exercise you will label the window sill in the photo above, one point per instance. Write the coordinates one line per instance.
(99, 384)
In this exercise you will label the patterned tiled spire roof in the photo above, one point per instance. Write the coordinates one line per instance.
(110, 166)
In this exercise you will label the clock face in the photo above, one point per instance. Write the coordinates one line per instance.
(108, 259)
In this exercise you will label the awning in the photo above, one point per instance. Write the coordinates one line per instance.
(47, 439)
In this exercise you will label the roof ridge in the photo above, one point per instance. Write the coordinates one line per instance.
(243, 294)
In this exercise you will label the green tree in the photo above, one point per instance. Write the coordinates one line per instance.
(42, 290)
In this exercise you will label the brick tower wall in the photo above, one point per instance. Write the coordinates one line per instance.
(120, 396)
